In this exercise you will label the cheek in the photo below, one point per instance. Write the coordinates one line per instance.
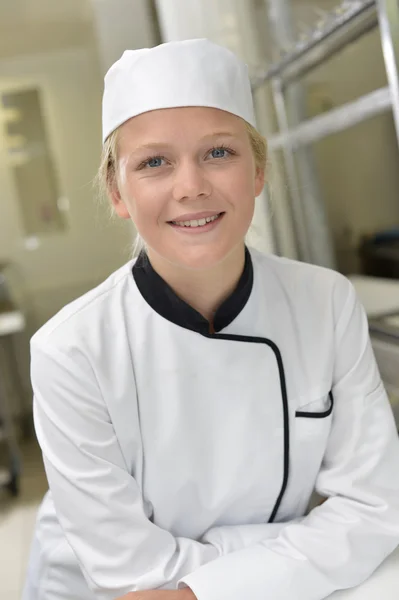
(241, 186)
(244, 194)
(145, 202)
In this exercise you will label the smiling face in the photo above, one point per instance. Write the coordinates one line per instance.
(187, 179)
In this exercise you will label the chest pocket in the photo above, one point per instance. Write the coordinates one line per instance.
(311, 429)
(313, 420)
(319, 409)
(312, 426)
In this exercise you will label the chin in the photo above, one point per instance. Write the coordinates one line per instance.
(200, 258)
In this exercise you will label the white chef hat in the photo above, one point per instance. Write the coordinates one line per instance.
(186, 73)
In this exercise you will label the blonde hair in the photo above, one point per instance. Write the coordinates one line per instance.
(107, 172)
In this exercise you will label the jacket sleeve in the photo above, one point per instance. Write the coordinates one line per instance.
(230, 538)
(97, 500)
(339, 544)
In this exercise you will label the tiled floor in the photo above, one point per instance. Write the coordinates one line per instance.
(17, 518)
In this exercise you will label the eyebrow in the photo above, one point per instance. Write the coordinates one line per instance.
(219, 134)
(162, 145)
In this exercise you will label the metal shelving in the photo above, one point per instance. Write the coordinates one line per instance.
(340, 27)
(339, 119)
(347, 23)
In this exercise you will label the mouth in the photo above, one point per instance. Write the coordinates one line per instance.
(201, 223)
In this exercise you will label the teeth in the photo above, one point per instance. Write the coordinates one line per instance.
(195, 222)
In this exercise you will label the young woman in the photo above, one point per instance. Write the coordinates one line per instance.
(188, 407)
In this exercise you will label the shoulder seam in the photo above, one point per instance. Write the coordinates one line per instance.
(66, 318)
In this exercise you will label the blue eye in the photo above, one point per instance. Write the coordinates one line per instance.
(155, 162)
(218, 152)
(221, 152)
(152, 162)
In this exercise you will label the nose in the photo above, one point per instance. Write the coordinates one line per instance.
(190, 182)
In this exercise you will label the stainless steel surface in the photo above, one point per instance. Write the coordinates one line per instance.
(384, 334)
(339, 119)
(331, 46)
(387, 355)
(388, 15)
(293, 182)
(280, 215)
(308, 209)
(349, 20)
(386, 328)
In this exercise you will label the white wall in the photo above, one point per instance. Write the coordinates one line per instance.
(67, 263)
(122, 25)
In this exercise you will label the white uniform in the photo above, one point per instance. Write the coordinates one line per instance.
(179, 457)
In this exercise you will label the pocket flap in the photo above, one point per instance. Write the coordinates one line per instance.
(318, 409)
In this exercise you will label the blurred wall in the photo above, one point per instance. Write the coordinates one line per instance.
(65, 264)
(55, 268)
(68, 263)
(121, 25)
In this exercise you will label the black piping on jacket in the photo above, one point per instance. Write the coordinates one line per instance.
(284, 397)
(317, 415)
(159, 295)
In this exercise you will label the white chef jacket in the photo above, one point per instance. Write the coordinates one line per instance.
(179, 457)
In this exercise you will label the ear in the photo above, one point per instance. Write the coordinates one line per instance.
(259, 181)
(117, 202)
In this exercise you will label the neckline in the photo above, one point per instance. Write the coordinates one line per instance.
(160, 296)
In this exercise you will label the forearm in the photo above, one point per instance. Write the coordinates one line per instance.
(228, 539)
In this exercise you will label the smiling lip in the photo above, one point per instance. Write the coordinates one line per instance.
(195, 216)
(200, 229)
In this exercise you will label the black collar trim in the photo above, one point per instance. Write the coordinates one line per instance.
(160, 296)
